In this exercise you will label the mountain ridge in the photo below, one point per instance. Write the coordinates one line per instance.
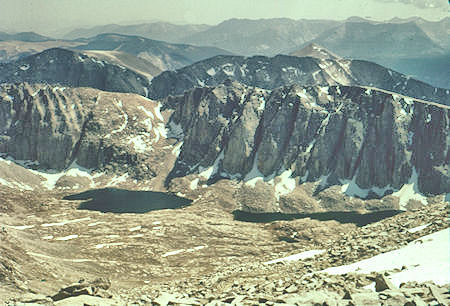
(282, 70)
(73, 68)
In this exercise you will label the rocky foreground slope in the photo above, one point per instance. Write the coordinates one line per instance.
(51, 252)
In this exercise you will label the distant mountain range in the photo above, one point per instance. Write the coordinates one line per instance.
(156, 30)
(161, 55)
(280, 35)
(260, 37)
(414, 46)
(165, 56)
(386, 40)
(24, 36)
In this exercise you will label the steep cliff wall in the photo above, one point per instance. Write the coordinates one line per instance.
(370, 142)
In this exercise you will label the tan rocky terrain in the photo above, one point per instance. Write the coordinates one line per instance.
(198, 254)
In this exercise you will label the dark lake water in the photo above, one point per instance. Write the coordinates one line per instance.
(127, 201)
(342, 217)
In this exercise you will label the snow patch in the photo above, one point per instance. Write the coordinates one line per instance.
(418, 228)
(96, 223)
(136, 228)
(228, 69)
(310, 145)
(254, 175)
(425, 259)
(70, 237)
(148, 113)
(262, 104)
(14, 184)
(140, 146)
(285, 185)
(74, 170)
(177, 149)
(136, 236)
(20, 227)
(211, 71)
(125, 120)
(324, 89)
(207, 173)
(410, 191)
(66, 222)
(107, 245)
(193, 185)
(173, 253)
(302, 94)
(160, 132)
(197, 248)
(117, 180)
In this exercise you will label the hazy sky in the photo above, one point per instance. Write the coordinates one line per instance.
(53, 16)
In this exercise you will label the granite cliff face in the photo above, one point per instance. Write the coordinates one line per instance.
(370, 142)
(54, 127)
(76, 69)
(291, 149)
(282, 70)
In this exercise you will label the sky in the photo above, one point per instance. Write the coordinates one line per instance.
(60, 16)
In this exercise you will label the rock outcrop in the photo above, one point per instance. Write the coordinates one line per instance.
(370, 142)
(97, 287)
(57, 126)
(281, 70)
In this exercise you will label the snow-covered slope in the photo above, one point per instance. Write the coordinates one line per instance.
(424, 259)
